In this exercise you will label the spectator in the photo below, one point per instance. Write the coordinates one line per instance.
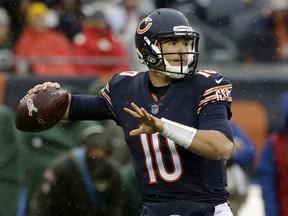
(98, 45)
(145, 6)
(89, 6)
(16, 10)
(131, 198)
(11, 160)
(267, 40)
(280, 21)
(125, 13)
(6, 42)
(123, 19)
(43, 147)
(239, 168)
(70, 17)
(272, 170)
(47, 51)
(83, 181)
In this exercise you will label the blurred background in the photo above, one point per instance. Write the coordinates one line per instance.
(82, 43)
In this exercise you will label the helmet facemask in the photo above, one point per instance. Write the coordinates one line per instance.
(158, 61)
(185, 59)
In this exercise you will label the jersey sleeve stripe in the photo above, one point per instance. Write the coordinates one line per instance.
(107, 87)
(203, 103)
(206, 73)
(207, 99)
(106, 96)
(217, 93)
(217, 88)
(215, 98)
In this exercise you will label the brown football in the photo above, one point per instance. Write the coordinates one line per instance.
(42, 110)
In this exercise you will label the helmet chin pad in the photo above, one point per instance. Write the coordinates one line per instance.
(173, 75)
(183, 69)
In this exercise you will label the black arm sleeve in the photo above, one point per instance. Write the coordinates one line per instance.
(216, 118)
(88, 107)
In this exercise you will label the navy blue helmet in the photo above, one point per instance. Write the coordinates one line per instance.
(160, 24)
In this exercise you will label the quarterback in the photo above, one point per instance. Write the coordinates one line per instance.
(175, 119)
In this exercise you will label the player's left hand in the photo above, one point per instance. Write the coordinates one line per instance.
(149, 123)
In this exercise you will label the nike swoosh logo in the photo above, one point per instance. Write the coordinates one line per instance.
(219, 80)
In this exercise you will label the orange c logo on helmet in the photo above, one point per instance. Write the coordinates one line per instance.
(147, 22)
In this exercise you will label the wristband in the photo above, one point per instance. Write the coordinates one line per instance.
(179, 133)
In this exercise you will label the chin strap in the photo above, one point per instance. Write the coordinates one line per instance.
(179, 133)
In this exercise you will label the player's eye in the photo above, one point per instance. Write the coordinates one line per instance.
(173, 43)
(188, 42)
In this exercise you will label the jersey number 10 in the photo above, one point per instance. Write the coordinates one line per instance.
(156, 164)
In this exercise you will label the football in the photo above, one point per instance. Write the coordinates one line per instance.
(42, 110)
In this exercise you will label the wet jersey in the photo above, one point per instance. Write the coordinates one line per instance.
(164, 170)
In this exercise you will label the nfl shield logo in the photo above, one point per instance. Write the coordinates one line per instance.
(154, 109)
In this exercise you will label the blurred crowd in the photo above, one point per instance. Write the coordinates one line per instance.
(95, 37)
(69, 37)
(55, 172)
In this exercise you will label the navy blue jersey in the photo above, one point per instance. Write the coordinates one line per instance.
(164, 170)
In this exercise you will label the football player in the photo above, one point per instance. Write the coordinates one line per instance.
(180, 135)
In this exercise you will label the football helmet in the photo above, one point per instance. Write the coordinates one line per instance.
(166, 23)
